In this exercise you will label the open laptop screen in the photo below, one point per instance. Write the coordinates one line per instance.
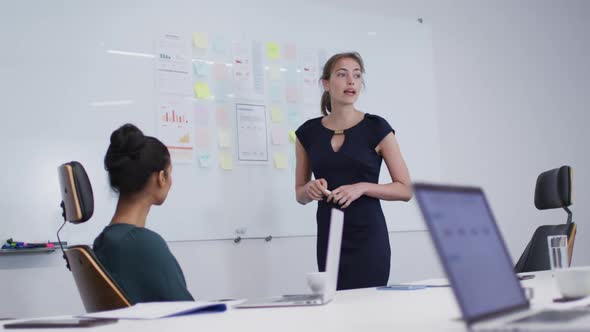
(471, 250)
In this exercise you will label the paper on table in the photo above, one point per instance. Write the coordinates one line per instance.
(155, 310)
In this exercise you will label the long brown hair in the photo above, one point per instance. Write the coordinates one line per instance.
(326, 106)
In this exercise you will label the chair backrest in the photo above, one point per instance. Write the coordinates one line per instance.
(553, 190)
(76, 192)
(96, 287)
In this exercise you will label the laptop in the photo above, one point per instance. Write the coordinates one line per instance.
(332, 264)
(479, 268)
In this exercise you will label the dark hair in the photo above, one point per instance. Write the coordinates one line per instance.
(132, 157)
(326, 106)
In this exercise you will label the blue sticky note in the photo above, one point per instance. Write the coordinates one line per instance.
(275, 92)
(292, 74)
(201, 69)
(294, 116)
(219, 45)
(222, 92)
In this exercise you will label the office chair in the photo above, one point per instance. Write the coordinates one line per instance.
(97, 288)
(553, 190)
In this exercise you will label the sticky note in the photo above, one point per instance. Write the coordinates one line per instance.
(292, 136)
(200, 40)
(226, 161)
(222, 91)
(219, 45)
(201, 115)
(202, 90)
(292, 95)
(276, 114)
(222, 117)
(204, 159)
(274, 72)
(292, 74)
(220, 71)
(279, 135)
(290, 52)
(202, 137)
(272, 50)
(275, 92)
(294, 116)
(280, 161)
(224, 137)
(201, 69)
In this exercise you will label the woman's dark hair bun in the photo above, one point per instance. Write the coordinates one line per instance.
(127, 139)
(132, 157)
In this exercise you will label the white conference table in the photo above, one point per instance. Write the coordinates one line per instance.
(431, 309)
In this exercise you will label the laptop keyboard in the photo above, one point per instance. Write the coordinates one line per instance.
(553, 316)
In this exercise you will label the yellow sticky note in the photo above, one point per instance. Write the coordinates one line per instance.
(280, 161)
(276, 114)
(292, 136)
(224, 138)
(226, 161)
(200, 40)
(272, 50)
(202, 90)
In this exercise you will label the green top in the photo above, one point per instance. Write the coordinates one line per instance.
(141, 263)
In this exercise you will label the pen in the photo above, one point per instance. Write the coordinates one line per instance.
(418, 286)
(402, 287)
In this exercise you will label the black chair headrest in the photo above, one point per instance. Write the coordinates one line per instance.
(554, 188)
(76, 192)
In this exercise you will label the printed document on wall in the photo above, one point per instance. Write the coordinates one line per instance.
(176, 127)
(243, 70)
(310, 74)
(252, 133)
(173, 65)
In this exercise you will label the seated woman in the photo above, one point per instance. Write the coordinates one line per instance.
(137, 258)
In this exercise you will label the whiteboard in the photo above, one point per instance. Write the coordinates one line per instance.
(75, 71)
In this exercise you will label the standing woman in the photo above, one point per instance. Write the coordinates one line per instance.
(344, 149)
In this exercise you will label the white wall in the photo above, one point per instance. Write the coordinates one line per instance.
(512, 88)
(40, 284)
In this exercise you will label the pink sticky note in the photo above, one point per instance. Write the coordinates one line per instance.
(292, 94)
(279, 135)
(290, 52)
(202, 137)
(222, 117)
(220, 71)
(201, 115)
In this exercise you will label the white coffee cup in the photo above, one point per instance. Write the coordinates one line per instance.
(573, 282)
(316, 281)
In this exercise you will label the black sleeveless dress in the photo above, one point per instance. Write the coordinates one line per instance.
(365, 256)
